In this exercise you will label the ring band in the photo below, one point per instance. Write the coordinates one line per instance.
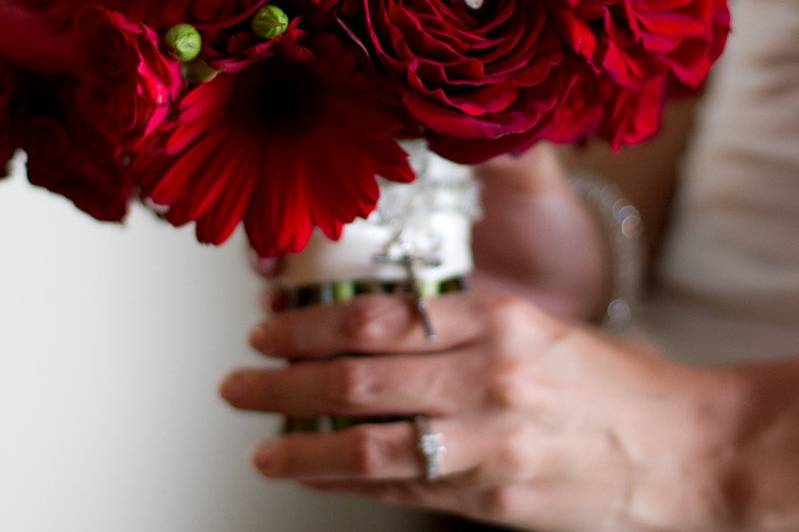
(431, 446)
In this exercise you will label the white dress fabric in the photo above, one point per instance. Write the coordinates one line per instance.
(729, 276)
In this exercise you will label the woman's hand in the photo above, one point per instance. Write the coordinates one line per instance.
(547, 426)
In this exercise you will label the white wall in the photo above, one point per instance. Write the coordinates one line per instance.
(112, 341)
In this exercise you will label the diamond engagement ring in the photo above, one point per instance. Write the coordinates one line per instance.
(431, 445)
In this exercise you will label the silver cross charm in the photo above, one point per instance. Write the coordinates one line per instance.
(409, 263)
(421, 308)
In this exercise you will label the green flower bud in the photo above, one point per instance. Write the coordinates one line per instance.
(270, 22)
(184, 41)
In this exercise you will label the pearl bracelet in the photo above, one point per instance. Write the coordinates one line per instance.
(623, 224)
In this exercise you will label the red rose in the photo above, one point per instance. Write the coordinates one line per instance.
(581, 112)
(634, 41)
(8, 142)
(65, 154)
(595, 105)
(69, 160)
(127, 85)
(632, 117)
(468, 75)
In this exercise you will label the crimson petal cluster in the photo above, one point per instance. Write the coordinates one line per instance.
(635, 41)
(284, 132)
(469, 74)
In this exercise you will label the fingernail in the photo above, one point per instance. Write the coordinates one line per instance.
(234, 390)
(259, 336)
(263, 458)
(265, 266)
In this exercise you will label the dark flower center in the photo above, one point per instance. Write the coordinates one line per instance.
(279, 96)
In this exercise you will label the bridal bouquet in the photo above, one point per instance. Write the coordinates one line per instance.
(281, 114)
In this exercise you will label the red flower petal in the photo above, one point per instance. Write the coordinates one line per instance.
(284, 145)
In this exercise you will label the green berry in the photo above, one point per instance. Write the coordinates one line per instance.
(185, 42)
(270, 22)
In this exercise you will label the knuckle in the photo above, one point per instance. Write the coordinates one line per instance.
(367, 319)
(515, 323)
(511, 453)
(505, 310)
(367, 452)
(499, 502)
(506, 386)
(349, 384)
(509, 460)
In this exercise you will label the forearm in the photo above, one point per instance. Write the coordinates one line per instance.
(763, 484)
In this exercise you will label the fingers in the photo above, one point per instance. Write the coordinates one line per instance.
(481, 453)
(364, 452)
(368, 452)
(516, 475)
(369, 324)
(434, 384)
(479, 376)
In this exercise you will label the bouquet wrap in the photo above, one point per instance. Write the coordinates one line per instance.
(428, 221)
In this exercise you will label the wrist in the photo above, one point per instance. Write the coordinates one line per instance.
(687, 440)
(763, 475)
(721, 402)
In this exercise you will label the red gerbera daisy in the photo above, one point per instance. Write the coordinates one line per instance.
(294, 141)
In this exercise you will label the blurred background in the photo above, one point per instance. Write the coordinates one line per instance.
(112, 342)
